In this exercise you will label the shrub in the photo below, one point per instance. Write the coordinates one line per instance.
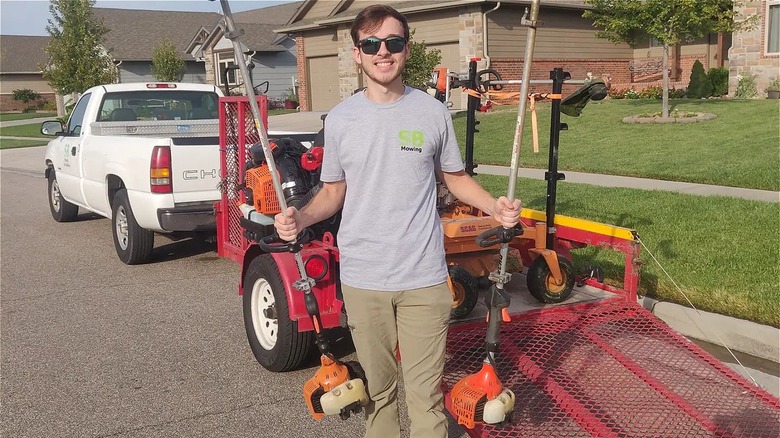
(653, 92)
(719, 78)
(631, 94)
(699, 85)
(617, 93)
(746, 87)
(677, 94)
(25, 95)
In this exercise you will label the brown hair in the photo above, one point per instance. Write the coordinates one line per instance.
(370, 18)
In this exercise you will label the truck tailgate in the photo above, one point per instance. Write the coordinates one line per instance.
(195, 169)
(610, 369)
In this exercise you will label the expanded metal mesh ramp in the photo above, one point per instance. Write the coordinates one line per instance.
(610, 369)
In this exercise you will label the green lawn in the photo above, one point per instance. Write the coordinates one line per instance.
(31, 130)
(22, 116)
(740, 148)
(722, 252)
(11, 144)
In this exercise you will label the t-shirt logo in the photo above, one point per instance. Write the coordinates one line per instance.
(411, 141)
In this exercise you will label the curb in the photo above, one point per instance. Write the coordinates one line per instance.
(744, 336)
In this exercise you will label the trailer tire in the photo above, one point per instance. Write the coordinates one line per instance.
(134, 245)
(465, 293)
(61, 210)
(274, 339)
(542, 285)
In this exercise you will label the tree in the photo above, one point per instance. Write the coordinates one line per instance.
(671, 22)
(421, 63)
(167, 66)
(77, 57)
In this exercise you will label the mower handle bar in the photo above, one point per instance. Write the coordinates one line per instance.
(498, 235)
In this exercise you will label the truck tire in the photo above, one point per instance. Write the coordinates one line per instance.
(274, 338)
(61, 210)
(133, 244)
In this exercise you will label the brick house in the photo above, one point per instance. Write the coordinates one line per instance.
(490, 30)
(756, 51)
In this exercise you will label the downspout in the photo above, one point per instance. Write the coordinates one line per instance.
(485, 35)
(118, 72)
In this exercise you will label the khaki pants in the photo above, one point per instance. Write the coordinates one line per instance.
(416, 321)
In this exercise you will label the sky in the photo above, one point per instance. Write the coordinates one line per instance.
(29, 17)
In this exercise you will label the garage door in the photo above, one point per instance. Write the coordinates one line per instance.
(324, 82)
(450, 58)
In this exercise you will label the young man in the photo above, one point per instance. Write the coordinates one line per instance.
(383, 149)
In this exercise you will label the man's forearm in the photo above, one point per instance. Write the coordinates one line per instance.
(325, 204)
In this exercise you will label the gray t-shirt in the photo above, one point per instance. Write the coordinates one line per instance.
(390, 236)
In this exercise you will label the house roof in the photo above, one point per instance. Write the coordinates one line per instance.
(277, 15)
(133, 34)
(342, 12)
(32, 47)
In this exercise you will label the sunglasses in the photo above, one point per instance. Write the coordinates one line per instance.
(371, 45)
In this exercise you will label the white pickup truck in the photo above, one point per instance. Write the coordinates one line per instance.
(145, 156)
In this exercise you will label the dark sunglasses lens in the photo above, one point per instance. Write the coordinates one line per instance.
(395, 45)
(370, 46)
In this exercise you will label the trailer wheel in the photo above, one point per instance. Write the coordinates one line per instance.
(464, 292)
(61, 210)
(133, 244)
(274, 338)
(542, 285)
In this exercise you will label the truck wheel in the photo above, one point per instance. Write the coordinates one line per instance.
(61, 210)
(542, 285)
(464, 292)
(133, 244)
(274, 338)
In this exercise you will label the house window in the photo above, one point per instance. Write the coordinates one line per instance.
(655, 43)
(773, 26)
(226, 61)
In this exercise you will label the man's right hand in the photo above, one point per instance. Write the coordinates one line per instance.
(286, 224)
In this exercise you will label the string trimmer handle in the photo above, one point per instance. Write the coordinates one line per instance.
(273, 243)
(498, 235)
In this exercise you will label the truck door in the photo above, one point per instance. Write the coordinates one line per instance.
(69, 176)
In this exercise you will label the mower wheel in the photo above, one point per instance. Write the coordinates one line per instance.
(133, 244)
(464, 292)
(542, 285)
(273, 337)
(61, 210)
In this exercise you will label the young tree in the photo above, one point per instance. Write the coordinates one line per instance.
(77, 58)
(421, 63)
(670, 22)
(167, 66)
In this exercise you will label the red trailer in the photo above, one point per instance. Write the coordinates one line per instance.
(602, 368)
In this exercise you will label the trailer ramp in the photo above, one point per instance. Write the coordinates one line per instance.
(610, 369)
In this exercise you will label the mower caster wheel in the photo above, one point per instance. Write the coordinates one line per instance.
(464, 292)
(542, 285)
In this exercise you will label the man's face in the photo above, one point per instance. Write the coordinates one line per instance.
(384, 67)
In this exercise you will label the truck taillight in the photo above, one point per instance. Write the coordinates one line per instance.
(316, 267)
(160, 170)
(160, 85)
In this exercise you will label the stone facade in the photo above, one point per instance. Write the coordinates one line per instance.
(471, 38)
(747, 55)
(349, 71)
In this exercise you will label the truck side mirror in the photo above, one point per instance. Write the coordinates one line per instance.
(51, 127)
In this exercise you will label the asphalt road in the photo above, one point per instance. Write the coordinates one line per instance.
(92, 347)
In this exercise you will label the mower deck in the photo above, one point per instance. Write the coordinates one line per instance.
(606, 367)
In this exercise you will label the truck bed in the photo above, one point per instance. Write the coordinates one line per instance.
(609, 368)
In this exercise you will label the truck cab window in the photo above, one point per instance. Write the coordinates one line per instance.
(77, 116)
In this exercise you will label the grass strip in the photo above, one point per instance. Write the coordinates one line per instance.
(4, 117)
(12, 144)
(722, 252)
(29, 130)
